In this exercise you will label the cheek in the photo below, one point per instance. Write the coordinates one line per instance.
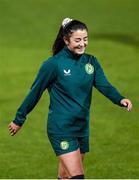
(86, 43)
(74, 45)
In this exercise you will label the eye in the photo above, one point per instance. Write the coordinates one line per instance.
(86, 39)
(77, 40)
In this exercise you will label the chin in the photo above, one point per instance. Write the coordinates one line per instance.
(80, 52)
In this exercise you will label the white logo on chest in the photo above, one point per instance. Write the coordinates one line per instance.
(67, 73)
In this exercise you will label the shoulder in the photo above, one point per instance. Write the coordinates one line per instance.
(50, 62)
(92, 59)
(48, 65)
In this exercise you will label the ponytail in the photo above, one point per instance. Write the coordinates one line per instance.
(66, 29)
(59, 42)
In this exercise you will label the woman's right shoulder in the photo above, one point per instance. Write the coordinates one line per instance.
(50, 63)
(51, 60)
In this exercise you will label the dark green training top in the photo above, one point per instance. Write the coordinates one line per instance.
(69, 79)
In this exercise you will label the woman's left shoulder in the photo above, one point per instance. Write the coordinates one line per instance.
(91, 58)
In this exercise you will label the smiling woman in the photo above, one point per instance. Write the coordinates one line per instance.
(74, 34)
(78, 41)
(69, 75)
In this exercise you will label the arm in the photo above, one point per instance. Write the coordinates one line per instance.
(103, 85)
(44, 78)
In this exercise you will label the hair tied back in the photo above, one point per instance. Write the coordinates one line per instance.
(66, 21)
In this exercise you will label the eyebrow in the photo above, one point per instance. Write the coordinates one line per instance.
(83, 37)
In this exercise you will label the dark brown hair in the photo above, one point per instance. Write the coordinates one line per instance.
(66, 31)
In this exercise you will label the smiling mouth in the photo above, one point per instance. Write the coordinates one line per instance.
(81, 49)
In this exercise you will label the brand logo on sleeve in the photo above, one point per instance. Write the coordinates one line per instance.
(67, 72)
(64, 145)
(89, 68)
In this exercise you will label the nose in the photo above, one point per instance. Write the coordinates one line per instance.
(82, 44)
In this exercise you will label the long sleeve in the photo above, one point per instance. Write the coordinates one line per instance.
(44, 78)
(104, 86)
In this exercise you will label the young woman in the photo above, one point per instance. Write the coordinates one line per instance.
(69, 75)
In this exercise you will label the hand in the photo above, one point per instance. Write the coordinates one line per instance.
(13, 128)
(127, 103)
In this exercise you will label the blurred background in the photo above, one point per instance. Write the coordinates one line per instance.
(27, 31)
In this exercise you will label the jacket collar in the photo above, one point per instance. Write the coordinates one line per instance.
(68, 53)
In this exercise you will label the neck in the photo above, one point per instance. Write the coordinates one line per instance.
(69, 53)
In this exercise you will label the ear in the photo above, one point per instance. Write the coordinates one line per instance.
(66, 40)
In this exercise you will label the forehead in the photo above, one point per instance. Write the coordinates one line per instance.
(79, 33)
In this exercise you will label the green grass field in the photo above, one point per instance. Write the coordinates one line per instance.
(27, 31)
